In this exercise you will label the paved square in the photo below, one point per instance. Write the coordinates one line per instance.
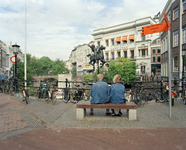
(10, 121)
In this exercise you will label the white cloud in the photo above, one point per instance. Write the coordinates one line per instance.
(55, 27)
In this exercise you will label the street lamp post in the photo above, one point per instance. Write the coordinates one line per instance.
(15, 51)
(183, 57)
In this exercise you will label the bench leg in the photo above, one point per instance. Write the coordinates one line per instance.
(132, 114)
(80, 113)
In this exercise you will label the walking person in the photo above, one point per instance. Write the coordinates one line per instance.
(3, 76)
(117, 94)
(99, 93)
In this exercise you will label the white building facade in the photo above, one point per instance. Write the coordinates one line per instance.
(125, 40)
(6, 52)
(79, 59)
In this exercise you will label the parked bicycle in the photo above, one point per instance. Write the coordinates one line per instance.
(25, 95)
(166, 94)
(79, 94)
(183, 92)
(9, 86)
(137, 94)
(43, 92)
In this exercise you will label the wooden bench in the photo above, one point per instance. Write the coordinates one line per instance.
(82, 105)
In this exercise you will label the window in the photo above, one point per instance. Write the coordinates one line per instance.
(132, 54)
(119, 54)
(176, 63)
(112, 41)
(112, 56)
(107, 56)
(158, 50)
(143, 52)
(143, 38)
(184, 6)
(125, 54)
(98, 43)
(143, 69)
(3, 58)
(107, 43)
(124, 42)
(175, 38)
(158, 59)
(153, 59)
(175, 13)
(184, 35)
(154, 51)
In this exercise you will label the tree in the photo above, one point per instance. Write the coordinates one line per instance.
(59, 67)
(123, 67)
(88, 77)
(44, 65)
(73, 72)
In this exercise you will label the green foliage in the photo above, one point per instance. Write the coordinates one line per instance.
(88, 77)
(73, 72)
(59, 67)
(123, 67)
(40, 67)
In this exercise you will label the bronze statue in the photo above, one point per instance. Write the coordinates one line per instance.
(98, 54)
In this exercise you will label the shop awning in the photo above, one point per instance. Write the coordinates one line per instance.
(131, 37)
(118, 39)
(124, 38)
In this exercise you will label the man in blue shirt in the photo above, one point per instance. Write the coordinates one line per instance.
(99, 93)
(4, 76)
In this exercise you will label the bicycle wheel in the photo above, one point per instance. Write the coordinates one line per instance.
(53, 97)
(158, 98)
(26, 100)
(6, 89)
(37, 94)
(135, 99)
(11, 90)
(172, 101)
(47, 97)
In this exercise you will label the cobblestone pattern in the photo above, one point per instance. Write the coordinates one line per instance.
(14, 117)
(8, 102)
(11, 121)
(46, 111)
(149, 116)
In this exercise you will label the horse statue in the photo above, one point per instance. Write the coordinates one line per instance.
(99, 54)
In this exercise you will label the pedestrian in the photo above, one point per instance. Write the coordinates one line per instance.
(117, 94)
(99, 93)
(4, 76)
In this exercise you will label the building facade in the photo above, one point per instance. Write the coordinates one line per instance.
(125, 40)
(156, 57)
(6, 52)
(79, 59)
(176, 13)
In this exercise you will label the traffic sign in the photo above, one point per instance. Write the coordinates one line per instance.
(13, 61)
(155, 28)
(160, 27)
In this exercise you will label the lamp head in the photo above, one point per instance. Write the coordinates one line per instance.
(15, 48)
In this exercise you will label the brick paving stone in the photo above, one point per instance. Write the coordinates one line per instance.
(11, 121)
(91, 138)
(153, 129)
(8, 102)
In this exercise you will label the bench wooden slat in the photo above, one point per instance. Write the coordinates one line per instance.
(87, 104)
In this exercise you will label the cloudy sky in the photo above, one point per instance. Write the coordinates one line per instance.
(55, 27)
